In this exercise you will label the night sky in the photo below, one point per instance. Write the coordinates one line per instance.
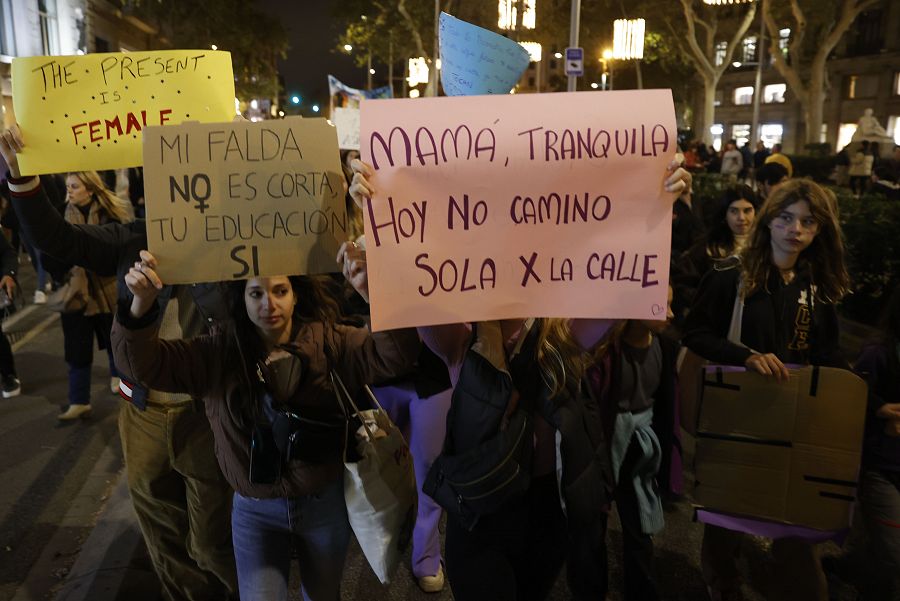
(313, 37)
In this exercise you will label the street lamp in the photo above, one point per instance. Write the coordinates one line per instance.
(348, 48)
(606, 59)
(315, 108)
(295, 99)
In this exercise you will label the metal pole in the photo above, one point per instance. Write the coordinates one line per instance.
(433, 71)
(757, 89)
(391, 62)
(574, 25)
(369, 71)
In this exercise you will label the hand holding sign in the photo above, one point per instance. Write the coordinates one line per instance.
(11, 144)
(144, 284)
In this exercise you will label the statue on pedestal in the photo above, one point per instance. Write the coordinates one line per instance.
(868, 129)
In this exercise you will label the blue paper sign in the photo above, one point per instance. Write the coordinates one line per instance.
(477, 61)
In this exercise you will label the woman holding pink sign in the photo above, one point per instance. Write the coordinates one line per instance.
(520, 418)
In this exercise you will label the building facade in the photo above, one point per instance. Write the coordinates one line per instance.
(64, 27)
(863, 72)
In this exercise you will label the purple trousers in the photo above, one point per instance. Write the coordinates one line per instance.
(424, 423)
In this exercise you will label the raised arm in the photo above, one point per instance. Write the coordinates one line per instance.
(93, 247)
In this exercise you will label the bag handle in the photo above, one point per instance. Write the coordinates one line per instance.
(339, 388)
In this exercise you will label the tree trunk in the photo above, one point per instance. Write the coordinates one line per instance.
(707, 116)
(815, 106)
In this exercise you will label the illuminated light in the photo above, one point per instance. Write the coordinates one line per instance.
(508, 13)
(736, 64)
(628, 39)
(725, 2)
(371, 71)
(716, 129)
(254, 104)
(418, 71)
(237, 106)
(533, 49)
(295, 100)
(595, 85)
(414, 93)
(348, 48)
(315, 108)
(281, 113)
(438, 63)
(214, 47)
(607, 54)
(557, 55)
(255, 119)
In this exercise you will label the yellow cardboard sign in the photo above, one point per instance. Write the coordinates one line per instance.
(80, 113)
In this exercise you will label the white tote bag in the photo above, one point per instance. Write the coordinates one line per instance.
(380, 488)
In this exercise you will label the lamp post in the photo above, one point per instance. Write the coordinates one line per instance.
(607, 77)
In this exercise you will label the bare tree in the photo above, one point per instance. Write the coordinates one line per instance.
(698, 44)
(806, 73)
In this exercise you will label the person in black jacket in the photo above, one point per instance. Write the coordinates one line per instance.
(9, 265)
(774, 306)
(182, 501)
(879, 490)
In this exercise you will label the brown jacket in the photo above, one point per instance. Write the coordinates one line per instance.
(196, 367)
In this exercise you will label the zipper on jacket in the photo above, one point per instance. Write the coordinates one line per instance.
(499, 466)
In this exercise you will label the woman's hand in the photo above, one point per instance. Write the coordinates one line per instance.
(678, 179)
(143, 283)
(11, 144)
(353, 259)
(768, 365)
(890, 412)
(8, 283)
(360, 188)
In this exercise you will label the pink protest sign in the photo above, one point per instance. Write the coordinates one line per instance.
(539, 205)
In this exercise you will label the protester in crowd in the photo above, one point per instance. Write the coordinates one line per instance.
(732, 161)
(782, 159)
(89, 202)
(179, 495)
(714, 164)
(692, 160)
(886, 175)
(633, 378)
(747, 156)
(516, 551)
(861, 168)
(761, 154)
(879, 490)
(686, 226)
(770, 176)
(9, 266)
(136, 191)
(279, 427)
(726, 238)
(787, 281)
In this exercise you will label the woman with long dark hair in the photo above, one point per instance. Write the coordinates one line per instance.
(89, 201)
(728, 235)
(787, 281)
(278, 424)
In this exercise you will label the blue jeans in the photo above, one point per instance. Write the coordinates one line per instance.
(263, 531)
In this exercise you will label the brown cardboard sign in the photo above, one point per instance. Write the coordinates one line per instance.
(788, 452)
(238, 200)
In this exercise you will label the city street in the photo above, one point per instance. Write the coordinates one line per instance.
(62, 480)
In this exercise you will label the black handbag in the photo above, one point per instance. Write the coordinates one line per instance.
(486, 460)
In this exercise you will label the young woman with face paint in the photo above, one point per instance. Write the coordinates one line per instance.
(790, 275)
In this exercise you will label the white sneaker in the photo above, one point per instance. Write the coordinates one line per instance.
(432, 584)
(114, 385)
(40, 298)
